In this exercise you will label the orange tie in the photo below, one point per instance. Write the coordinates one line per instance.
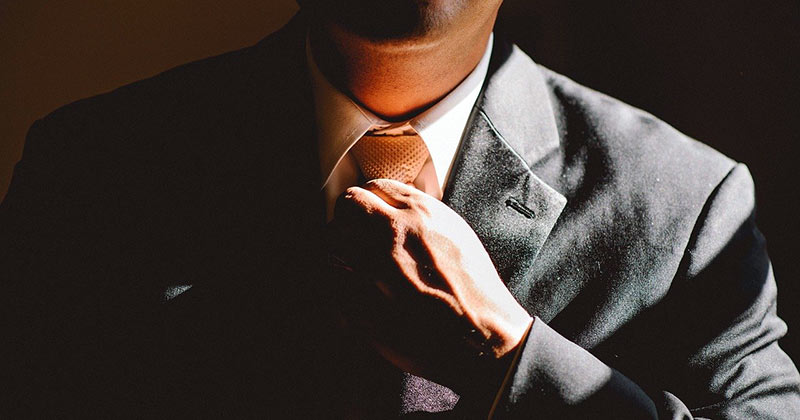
(398, 157)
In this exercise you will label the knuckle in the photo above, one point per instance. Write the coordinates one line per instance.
(419, 204)
(396, 226)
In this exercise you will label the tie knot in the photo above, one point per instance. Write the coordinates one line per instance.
(398, 157)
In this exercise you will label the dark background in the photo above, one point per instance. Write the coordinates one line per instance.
(722, 72)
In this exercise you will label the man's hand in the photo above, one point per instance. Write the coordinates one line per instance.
(421, 287)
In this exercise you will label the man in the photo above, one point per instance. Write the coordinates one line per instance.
(222, 240)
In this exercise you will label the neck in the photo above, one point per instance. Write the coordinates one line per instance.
(398, 79)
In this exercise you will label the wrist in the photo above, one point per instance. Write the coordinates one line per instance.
(483, 391)
(509, 373)
(505, 336)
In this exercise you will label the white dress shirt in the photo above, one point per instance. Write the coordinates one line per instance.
(341, 122)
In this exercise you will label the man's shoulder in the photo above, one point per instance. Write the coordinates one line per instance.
(170, 89)
(638, 152)
(190, 101)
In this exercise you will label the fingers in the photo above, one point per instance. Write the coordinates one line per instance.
(379, 196)
(360, 233)
(360, 200)
(393, 192)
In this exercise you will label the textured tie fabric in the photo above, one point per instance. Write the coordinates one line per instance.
(398, 157)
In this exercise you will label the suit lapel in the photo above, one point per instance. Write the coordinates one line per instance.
(491, 184)
(493, 188)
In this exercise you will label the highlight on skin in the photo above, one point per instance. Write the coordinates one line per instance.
(435, 282)
(401, 63)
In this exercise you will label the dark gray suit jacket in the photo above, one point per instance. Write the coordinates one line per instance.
(160, 249)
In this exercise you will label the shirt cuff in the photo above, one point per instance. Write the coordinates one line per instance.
(510, 372)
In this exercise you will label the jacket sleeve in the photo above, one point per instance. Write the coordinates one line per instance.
(722, 347)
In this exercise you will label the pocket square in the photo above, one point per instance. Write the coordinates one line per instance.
(172, 291)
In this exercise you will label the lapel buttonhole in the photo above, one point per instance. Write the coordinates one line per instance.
(521, 208)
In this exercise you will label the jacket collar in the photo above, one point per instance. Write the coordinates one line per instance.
(491, 184)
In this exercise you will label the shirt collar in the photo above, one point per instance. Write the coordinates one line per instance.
(341, 121)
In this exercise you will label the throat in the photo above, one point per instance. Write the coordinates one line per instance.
(395, 81)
